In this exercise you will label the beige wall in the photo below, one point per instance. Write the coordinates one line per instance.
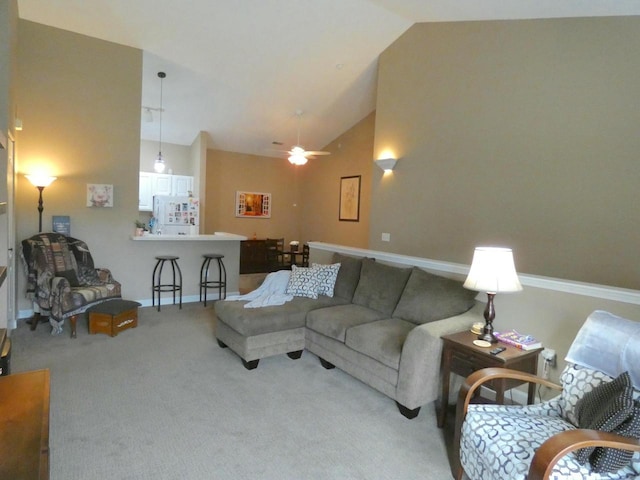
(305, 198)
(228, 172)
(351, 154)
(519, 133)
(79, 99)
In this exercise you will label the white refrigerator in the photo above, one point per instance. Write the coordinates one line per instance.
(176, 215)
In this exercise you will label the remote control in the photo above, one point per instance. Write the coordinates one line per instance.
(497, 350)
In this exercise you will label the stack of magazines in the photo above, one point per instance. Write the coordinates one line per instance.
(518, 340)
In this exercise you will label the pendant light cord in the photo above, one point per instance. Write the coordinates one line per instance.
(161, 75)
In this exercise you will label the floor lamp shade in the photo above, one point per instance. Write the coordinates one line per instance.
(40, 182)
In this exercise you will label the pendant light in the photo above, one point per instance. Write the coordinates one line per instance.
(159, 164)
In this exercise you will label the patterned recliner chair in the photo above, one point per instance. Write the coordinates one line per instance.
(572, 435)
(62, 281)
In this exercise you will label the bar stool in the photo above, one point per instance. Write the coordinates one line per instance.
(158, 286)
(205, 283)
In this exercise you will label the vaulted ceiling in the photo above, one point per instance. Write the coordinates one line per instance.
(239, 69)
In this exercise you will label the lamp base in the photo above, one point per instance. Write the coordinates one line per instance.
(489, 315)
(488, 337)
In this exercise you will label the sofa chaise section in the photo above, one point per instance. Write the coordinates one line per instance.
(255, 333)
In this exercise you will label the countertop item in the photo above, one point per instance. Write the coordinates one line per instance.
(217, 236)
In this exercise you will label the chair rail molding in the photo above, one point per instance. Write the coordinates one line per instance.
(605, 292)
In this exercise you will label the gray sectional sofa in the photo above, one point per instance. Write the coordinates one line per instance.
(382, 326)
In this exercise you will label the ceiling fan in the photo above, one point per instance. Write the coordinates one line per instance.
(298, 155)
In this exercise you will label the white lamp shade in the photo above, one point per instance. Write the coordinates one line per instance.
(159, 164)
(40, 180)
(493, 271)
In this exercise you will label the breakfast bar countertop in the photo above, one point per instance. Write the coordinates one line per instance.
(217, 236)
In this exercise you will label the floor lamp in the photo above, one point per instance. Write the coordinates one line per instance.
(40, 182)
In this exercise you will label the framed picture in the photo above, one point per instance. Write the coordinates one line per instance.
(99, 195)
(253, 205)
(61, 224)
(350, 199)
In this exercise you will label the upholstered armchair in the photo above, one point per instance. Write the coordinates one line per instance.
(62, 280)
(589, 431)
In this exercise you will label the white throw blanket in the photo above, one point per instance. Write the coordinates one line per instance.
(610, 344)
(271, 292)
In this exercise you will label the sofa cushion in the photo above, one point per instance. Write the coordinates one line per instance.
(380, 286)
(348, 275)
(257, 321)
(334, 322)
(428, 297)
(326, 276)
(381, 340)
(303, 282)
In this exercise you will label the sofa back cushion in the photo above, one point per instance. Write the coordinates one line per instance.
(380, 286)
(348, 275)
(428, 297)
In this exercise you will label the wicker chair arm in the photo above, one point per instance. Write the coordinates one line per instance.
(556, 447)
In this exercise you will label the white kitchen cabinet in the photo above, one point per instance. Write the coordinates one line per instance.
(181, 185)
(145, 192)
(161, 184)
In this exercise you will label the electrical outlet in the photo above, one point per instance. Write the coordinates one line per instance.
(386, 237)
(549, 356)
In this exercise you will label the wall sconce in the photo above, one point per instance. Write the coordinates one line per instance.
(386, 164)
(40, 182)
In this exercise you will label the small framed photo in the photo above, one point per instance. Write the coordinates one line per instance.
(61, 224)
(253, 204)
(350, 199)
(99, 195)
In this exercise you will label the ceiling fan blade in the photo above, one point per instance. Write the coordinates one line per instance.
(317, 153)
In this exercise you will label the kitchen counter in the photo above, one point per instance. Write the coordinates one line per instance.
(217, 236)
(190, 250)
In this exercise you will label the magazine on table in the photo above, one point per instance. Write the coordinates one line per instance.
(518, 340)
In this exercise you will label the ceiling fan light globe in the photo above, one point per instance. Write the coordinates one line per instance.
(296, 159)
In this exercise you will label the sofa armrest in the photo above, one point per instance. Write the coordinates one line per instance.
(418, 377)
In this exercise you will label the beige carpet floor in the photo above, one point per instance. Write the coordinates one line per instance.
(163, 401)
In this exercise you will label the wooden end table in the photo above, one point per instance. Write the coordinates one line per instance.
(24, 419)
(462, 357)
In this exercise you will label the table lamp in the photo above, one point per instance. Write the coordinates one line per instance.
(492, 271)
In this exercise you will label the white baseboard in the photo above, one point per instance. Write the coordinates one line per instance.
(146, 302)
